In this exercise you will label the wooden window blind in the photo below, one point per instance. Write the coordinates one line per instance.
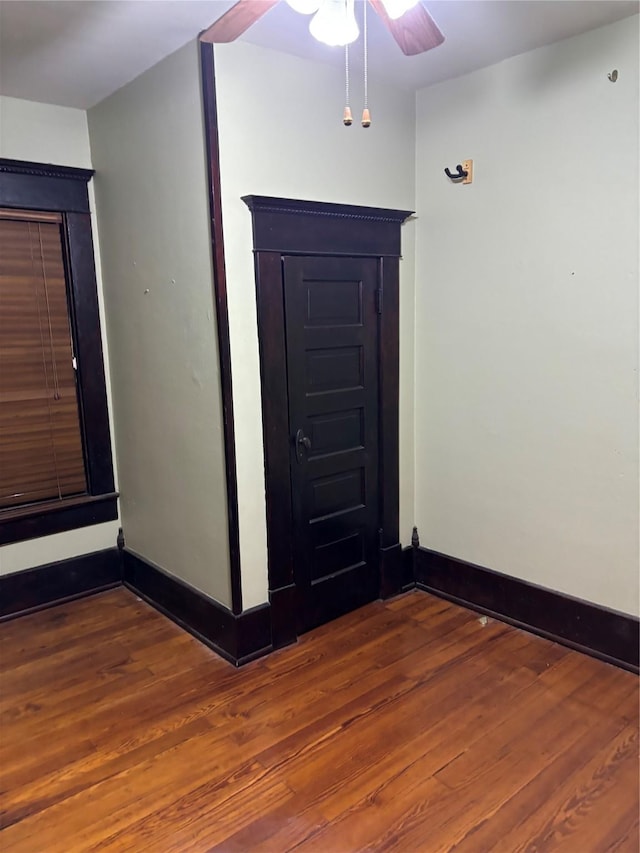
(41, 449)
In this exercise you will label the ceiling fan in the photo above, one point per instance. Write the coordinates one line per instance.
(334, 22)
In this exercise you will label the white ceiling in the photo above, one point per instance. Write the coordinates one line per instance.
(77, 52)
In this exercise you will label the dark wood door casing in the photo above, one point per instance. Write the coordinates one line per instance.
(292, 227)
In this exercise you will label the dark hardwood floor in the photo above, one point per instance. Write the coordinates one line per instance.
(406, 726)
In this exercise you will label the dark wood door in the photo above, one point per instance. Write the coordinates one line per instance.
(331, 320)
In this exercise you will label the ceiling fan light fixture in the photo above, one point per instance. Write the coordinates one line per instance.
(335, 23)
(304, 7)
(396, 8)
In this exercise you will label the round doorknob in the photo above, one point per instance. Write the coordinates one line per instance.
(301, 441)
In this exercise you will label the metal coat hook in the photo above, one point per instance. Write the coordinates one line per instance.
(464, 173)
(456, 177)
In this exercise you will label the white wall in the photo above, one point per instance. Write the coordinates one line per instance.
(281, 134)
(48, 134)
(147, 144)
(527, 318)
(44, 133)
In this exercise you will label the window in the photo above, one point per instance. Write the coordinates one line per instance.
(55, 450)
(41, 455)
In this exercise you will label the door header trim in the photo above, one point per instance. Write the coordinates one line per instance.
(282, 225)
(324, 208)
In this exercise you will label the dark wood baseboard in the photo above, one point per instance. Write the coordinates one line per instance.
(408, 578)
(391, 571)
(253, 634)
(237, 638)
(283, 616)
(605, 634)
(34, 589)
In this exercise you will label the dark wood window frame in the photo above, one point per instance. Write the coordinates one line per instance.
(63, 189)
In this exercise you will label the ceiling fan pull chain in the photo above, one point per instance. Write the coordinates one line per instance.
(366, 115)
(347, 118)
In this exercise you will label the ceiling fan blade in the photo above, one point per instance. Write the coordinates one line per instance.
(236, 20)
(415, 32)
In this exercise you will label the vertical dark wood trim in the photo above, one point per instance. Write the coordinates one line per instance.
(253, 634)
(283, 612)
(85, 315)
(275, 417)
(212, 151)
(408, 575)
(391, 571)
(389, 361)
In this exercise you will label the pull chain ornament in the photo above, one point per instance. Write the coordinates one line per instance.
(366, 115)
(347, 118)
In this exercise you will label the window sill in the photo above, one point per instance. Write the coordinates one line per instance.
(44, 519)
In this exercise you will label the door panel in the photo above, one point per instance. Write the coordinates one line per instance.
(336, 432)
(332, 368)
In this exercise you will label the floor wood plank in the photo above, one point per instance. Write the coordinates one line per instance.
(410, 725)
